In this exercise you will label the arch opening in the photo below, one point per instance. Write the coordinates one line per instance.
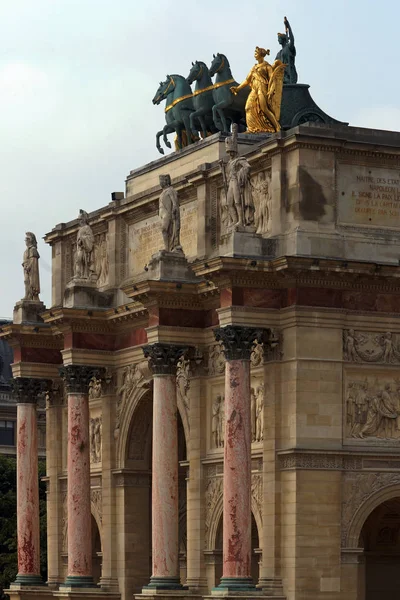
(380, 538)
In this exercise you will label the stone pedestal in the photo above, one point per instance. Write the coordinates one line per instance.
(26, 311)
(163, 359)
(236, 574)
(26, 391)
(85, 594)
(169, 266)
(298, 107)
(19, 592)
(77, 379)
(83, 293)
(241, 243)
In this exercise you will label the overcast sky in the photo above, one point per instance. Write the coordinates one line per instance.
(77, 78)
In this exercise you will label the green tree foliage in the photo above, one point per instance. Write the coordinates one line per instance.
(8, 521)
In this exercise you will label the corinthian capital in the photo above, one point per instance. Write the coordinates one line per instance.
(238, 341)
(27, 389)
(78, 377)
(163, 358)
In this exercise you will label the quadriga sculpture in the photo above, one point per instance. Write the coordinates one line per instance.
(228, 108)
(179, 106)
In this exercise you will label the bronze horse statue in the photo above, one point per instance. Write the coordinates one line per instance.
(178, 108)
(203, 101)
(227, 107)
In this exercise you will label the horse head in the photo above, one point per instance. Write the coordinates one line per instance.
(196, 72)
(165, 88)
(218, 64)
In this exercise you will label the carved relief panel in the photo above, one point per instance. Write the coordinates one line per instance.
(372, 406)
(261, 186)
(371, 347)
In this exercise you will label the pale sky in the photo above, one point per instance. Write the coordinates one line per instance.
(77, 78)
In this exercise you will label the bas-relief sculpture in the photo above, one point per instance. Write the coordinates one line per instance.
(183, 380)
(287, 54)
(238, 209)
(371, 347)
(257, 413)
(169, 214)
(216, 360)
(101, 259)
(373, 408)
(95, 439)
(30, 266)
(218, 421)
(95, 388)
(133, 377)
(261, 185)
(263, 106)
(84, 267)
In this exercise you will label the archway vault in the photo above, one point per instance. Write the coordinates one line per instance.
(379, 493)
(128, 413)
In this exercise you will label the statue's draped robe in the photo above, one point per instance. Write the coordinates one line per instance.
(170, 218)
(264, 101)
(84, 252)
(31, 273)
(288, 56)
(239, 187)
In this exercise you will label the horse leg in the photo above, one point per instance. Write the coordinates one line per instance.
(186, 123)
(219, 117)
(203, 125)
(167, 129)
(158, 146)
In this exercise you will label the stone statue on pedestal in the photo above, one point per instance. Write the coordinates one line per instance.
(170, 215)
(287, 54)
(31, 268)
(84, 258)
(238, 191)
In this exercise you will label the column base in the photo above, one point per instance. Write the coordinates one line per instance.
(78, 581)
(30, 580)
(163, 583)
(233, 585)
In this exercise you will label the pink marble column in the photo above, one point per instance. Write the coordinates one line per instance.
(79, 531)
(26, 391)
(163, 360)
(238, 343)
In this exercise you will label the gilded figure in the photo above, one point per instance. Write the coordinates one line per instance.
(30, 265)
(263, 106)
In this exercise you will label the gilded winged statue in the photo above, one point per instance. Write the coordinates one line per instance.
(263, 106)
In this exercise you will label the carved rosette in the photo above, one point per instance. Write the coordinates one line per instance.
(27, 390)
(77, 378)
(163, 358)
(238, 341)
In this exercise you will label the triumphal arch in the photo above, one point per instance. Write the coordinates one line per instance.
(220, 363)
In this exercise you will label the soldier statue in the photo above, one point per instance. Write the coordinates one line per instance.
(238, 191)
(288, 53)
(169, 214)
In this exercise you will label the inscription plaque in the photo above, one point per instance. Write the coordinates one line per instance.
(368, 196)
(145, 238)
